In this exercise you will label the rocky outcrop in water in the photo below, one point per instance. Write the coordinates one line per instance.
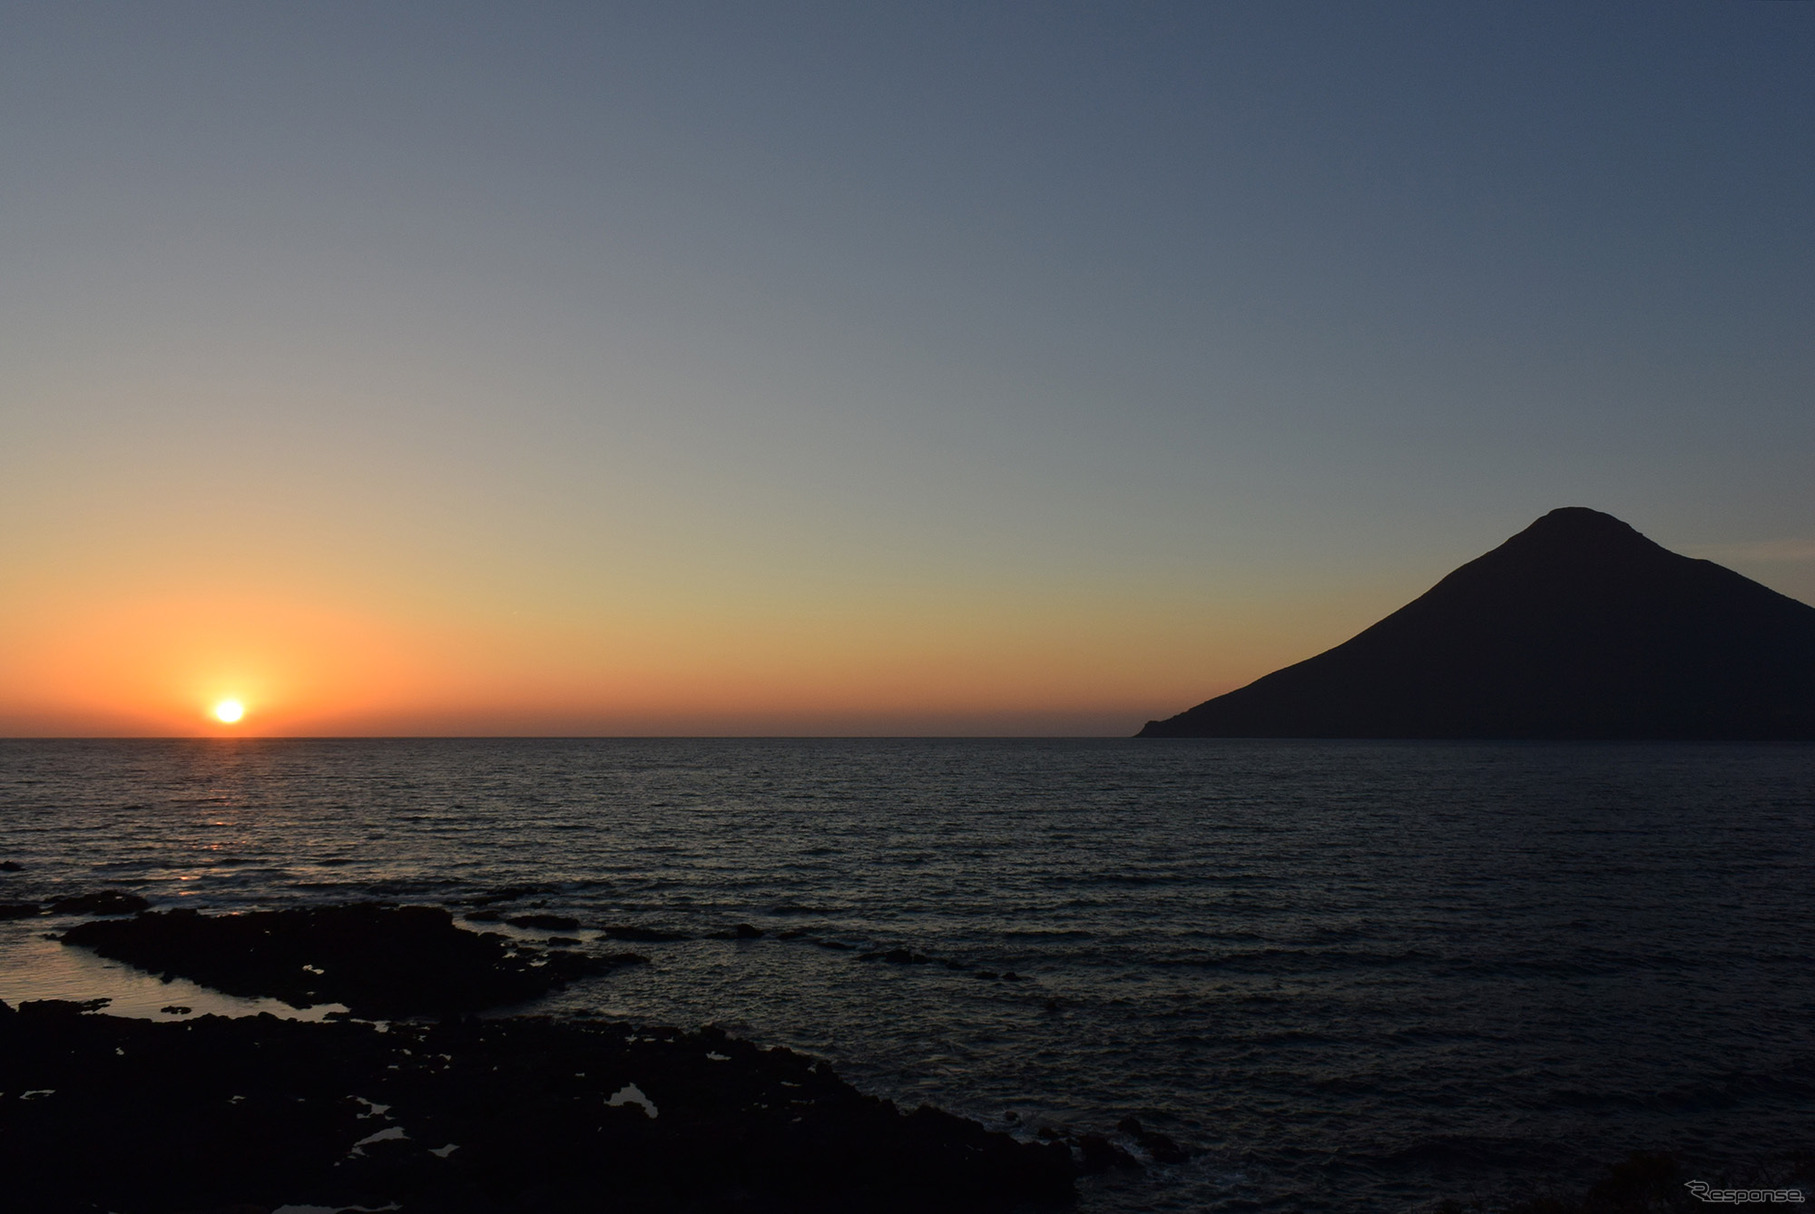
(102, 902)
(376, 959)
(1577, 627)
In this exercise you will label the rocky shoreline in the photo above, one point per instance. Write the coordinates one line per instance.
(409, 1101)
(515, 1114)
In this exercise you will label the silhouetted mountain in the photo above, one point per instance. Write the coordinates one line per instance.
(1577, 627)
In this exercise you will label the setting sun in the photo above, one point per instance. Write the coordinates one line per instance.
(229, 711)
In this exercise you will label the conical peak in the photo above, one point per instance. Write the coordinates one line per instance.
(1576, 627)
(1580, 532)
(1580, 520)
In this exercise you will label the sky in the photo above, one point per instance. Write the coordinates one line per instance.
(859, 368)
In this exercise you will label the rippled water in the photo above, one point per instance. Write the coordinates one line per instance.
(1349, 975)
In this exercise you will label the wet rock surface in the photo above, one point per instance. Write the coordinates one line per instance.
(1159, 1147)
(104, 902)
(378, 960)
(525, 1114)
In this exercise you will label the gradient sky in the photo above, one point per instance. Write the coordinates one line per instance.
(859, 368)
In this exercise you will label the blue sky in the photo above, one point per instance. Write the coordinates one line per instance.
(987, 367)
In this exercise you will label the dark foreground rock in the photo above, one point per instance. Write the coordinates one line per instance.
(378, 960)
(467, 1116)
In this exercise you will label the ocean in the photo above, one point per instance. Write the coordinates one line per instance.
(1346, 975)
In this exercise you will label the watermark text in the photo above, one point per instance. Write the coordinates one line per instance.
(1741, 1197)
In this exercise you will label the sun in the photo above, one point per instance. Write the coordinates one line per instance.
(229, 711)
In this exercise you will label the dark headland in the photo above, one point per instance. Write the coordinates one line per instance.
(1577, 627)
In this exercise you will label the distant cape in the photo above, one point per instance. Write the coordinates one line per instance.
(1577, 627)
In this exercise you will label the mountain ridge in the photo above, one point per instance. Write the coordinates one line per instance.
(1576, 627)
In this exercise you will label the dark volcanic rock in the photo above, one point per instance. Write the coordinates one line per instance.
(500, 1116)
(1159, 1147)
(1577, 627)
(106, 902)
(1099, 1154)
(378, 960)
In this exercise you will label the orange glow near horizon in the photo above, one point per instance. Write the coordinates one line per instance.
(310, 673)
(156, 661)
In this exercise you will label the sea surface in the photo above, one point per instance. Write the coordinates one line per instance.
(1347, 975)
